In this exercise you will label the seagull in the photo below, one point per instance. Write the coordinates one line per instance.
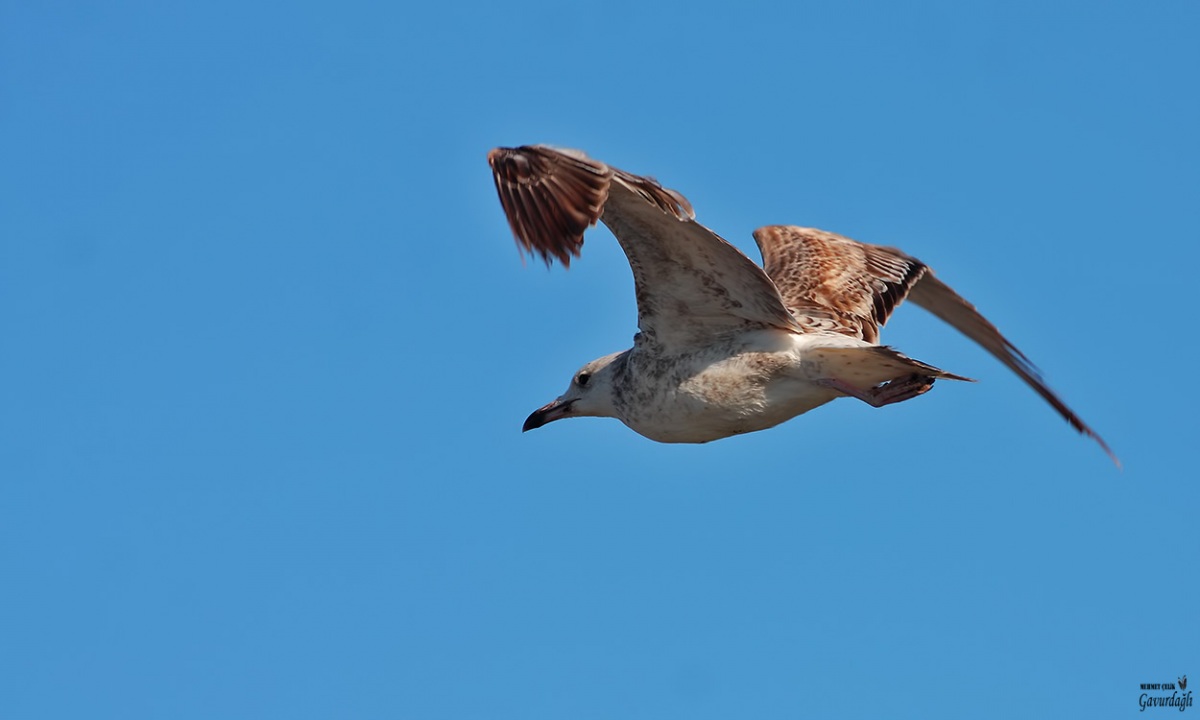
(725, 347)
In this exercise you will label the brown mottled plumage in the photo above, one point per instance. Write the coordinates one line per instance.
(714, 356)
(835, 284)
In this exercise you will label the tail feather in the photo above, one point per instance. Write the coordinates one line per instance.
(868, 366)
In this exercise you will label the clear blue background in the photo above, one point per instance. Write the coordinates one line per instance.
(267, 347)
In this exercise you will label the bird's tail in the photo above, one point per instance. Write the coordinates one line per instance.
(868, 366)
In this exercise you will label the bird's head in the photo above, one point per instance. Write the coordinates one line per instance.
(590, 394)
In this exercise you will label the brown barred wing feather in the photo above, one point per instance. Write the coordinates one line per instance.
(550, 197)
(834, 284)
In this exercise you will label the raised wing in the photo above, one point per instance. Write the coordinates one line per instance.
(691, 284)
(835, 284)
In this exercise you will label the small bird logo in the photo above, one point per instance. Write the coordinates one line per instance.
(1183, 683)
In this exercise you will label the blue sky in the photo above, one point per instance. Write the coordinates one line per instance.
(268, 346)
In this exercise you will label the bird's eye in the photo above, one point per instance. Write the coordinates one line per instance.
(582, 379)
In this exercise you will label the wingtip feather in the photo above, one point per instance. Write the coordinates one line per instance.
(550, 197)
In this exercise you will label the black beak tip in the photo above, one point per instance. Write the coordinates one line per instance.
(533, 422)
(548, 413)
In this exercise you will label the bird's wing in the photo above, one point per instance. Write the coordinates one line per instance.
(940, 299)
(835, 284)
(691, 284)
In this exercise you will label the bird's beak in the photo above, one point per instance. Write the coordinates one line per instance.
(548, 413)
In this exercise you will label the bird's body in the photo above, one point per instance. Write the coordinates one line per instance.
(750, 383)
(726, 347)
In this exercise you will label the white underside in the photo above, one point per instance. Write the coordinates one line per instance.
(769, 379)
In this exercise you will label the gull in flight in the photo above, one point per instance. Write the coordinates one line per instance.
(724, 346)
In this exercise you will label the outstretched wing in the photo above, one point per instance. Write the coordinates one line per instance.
(940, 299)
(835, 284)
(691, 284)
